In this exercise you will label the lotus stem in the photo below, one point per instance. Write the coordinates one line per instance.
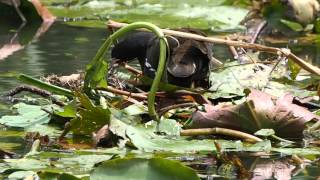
(95, 67)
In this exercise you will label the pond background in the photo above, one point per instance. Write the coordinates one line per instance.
(65, 48)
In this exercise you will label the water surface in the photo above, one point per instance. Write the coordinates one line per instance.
(61, 50)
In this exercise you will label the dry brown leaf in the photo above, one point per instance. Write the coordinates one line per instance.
(260, 111)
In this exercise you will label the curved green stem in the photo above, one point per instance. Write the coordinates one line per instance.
(96, 66)
(157, 79)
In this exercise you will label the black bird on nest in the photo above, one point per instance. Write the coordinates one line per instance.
(188, 61)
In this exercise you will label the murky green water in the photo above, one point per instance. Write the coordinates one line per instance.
(61, 50)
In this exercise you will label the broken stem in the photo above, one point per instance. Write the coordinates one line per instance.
(221, 131)
(34, 90)
(124, 93)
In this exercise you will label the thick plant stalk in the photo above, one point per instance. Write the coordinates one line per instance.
(95, 67)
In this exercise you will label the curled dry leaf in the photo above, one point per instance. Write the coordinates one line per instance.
(103, 137)
(260, 111)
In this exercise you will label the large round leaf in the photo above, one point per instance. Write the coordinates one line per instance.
(139, 169)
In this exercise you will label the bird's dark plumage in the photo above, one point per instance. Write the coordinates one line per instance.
(187, 61)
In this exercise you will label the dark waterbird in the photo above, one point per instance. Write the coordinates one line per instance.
(188, 61)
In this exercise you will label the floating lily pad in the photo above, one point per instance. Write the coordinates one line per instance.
(146, 139)
(232, 81)
(28, 115)
(205, 15)
(22, 175)
(139, 169)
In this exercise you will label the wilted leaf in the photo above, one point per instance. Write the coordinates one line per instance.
(139, 169)
(103, 137)
(260, 111)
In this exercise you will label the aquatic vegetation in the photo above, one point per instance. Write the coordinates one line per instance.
(111, 121)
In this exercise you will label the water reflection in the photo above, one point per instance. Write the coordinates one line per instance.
(255, 167)
(61, 50)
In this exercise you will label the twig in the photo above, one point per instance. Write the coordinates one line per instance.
(281, 139)
(247, 63)
(125, 93)
(280, 58)
(221, 131)
(244, 52)
(141, 96)
(233, 50)
(131, 69)
(34, 90)
(258, 31)
(305, 65)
